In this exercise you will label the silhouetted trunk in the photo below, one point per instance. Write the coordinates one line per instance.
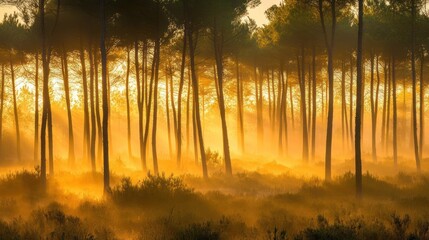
(105, 103)
(127, 97)
(301, 76)
(351, 103)
(292, 112)
(395, 114)
(140, 104)
(413, 72)
(1, 108)
(97, 110)
(330, 50)
(179, 103)
(167, 112)
(359, 80)
(383, 120)
(92, 108)
(240, 113)
(155, 106)
(196, 102)
(218, 46)
(373, 114)
(422, 106)
(36, 108)
(148, 114)
(188, 92)
(15, 113)
(343, 105)
(86, 135)
(314, 112)
(65, 68)
(173, 107)
(389, 95)
(45, 108)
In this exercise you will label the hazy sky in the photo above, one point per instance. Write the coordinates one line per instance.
(257, 13)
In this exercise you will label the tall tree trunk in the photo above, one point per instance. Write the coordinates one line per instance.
(359, 80)
(167, 112)
(15, 113)
(395, 114)
(140, 104)
(351, 102)
(71, 154)
(188, 93)
(86, 135)
(148, 112)
(330, 49)
(383, 120)
(373, 114)
(218, 46)
(301, 71)
(179, 103)
(45, 95)
(1, 108)
(422, 106)
(36, 108)
(127, 97)
(92, 108)
(240, 123)
(173, 106)
(314, 112)
(389, 95)
(105, 103)
(97, 110)
(413, 71)
(196, 102)
(155, 106)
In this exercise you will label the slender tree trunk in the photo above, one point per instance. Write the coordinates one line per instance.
(1, 108)
(179, 103)
(86, 135)
(358, 160)
(15, 113)
(395, 114)
(173, 107)
(330, 48)
(383, 120)
(167, 112)
(148, 112)
(105, 103)
(413, 71)
(127, 97)
(218, 46)
(196, 102)
(155, 106)
(240, 124)
(140, 104)
(36, 108)
(422, 106)
(92, 108)
(373, 114)
(389, 95)
(65, 68)
(314, 112)
(45, 95)
(301, 70)
(97, 110)
(351, 102)
(188, 92)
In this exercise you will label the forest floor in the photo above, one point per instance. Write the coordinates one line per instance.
(262, 200)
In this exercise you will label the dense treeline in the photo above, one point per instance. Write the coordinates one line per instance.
(156, 55)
